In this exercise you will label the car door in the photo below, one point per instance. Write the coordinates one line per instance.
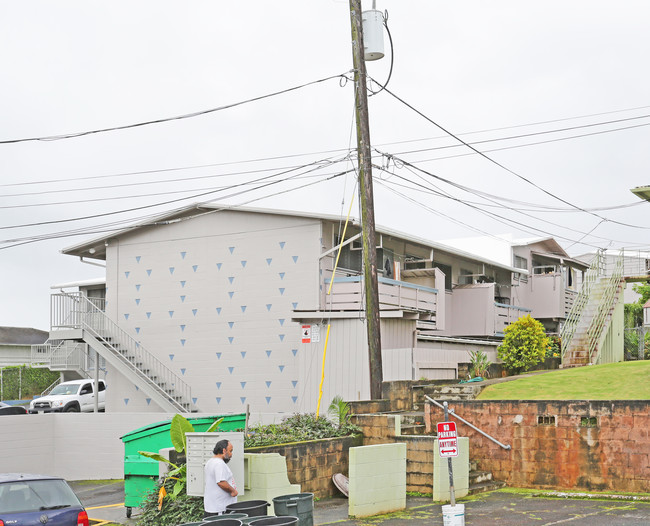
(102, 395)
(86, 397)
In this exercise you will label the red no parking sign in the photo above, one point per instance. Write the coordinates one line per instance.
(447, 439)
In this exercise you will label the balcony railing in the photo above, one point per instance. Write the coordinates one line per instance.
(505, 315)
(348, 295)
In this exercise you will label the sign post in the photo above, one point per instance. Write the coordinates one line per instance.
(448, 446)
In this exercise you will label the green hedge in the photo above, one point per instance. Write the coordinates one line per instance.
(24, 382)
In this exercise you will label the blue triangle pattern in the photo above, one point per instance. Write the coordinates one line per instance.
(137, 330)
(243, 354)
(281, 289)
(268, 354)
(148, 401)
(183, 342)
(148, 272)
(194, 400)
(218, 356)
(219, 266)
(182, 328)
(268, 261)
(126, 401)
(148, 315)
(231, 369)
(231, 338)
(294, 382)
(268, 399)
(183, 284)
(195, 268)
(281, 337)
(137, 388)
(282, 243)
(183, 371)
(281, 367)
(268, 383)
(295, 305)
(218, 385)
(218, 399)
(243, 384)
(127, 274)
(231, 294)
(294, 398)
(281, 320)
(171, 357)
(243, 308)
(183, 254)
(268, 306)
(194, 311)
(137, 287)
(232, 249)
(171, 313)
(231, 279)
(182, 299)
(295, 259)
(126, 316)
(218, 310)
(137, 259)
(230, 324)
(171, 270)
(137, 301)
(243, 399)
(243, 263)
(281, 275)
(294, 351)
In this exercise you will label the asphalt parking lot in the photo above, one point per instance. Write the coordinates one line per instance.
(104, 502)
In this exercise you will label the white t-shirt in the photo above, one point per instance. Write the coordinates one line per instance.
(215, 499)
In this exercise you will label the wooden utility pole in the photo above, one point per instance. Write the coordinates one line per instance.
(367, 203)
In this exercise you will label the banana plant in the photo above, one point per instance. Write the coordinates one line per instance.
(177, 431)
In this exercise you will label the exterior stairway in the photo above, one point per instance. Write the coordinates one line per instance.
(66, 356)
(78, 319)
(590, 318)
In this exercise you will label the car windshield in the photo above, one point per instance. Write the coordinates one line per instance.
(36, 495)
(65, 389)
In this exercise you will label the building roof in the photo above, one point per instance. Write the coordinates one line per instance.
(22, 336)
(96, 248)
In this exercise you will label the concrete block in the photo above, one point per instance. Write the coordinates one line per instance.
(460, 468)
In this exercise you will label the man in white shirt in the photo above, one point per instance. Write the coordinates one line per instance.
(220, 488)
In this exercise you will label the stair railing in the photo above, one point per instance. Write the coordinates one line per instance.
(85, 314)
(451, 411)
(597, 326)
(592, 275)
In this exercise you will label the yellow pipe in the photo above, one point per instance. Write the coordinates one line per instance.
(322, 377)
(338, 254)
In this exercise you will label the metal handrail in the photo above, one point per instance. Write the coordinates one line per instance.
(79, 312)
(504, 446)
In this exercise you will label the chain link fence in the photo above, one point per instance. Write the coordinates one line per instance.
(637, 343)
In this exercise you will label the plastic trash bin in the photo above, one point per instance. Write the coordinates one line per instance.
(275, 521)
(253, 508)
(299, 505)
(141, 473)
(221, 522)
(247, 520)
(238, 516)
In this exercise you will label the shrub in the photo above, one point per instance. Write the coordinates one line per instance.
(174, 511)
(524, 345)
(479, 365)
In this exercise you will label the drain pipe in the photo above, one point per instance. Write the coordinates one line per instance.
(81, 258)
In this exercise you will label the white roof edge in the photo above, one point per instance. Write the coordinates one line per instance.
(294, 213)
(82, 283)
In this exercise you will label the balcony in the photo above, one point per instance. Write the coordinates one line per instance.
(550, 298)
(348, 295)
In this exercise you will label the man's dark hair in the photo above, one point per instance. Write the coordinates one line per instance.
(221, 446)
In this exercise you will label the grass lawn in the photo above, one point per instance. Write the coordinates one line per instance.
(615, 381)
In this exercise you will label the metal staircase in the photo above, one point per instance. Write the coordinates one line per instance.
(586, 326)
(75, 316)
(66, 355)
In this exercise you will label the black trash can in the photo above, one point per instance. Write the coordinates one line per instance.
(221, 522)
(247, 520)
(275, 521)
(226, 516)
(252, 508)
(299, 505)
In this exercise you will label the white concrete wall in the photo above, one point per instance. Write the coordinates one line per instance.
(76, 446)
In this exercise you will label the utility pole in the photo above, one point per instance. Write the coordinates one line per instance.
(371, 289)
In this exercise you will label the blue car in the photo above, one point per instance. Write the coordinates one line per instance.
(37, 500)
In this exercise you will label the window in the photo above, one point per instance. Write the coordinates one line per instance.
(588, 421)
(446, 269)
(545, 420)
(349, 259)
(519, 262)
(466, 277)
(102, 386)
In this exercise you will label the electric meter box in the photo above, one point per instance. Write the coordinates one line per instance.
(199, 450)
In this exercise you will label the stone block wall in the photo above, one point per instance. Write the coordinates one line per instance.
(312, 464)
(583, 445)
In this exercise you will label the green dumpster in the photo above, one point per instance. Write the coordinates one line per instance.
(141, 473)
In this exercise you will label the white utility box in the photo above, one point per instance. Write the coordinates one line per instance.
(199, 450)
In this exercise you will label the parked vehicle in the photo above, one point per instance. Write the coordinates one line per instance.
(73, 396)
(7, 409)
(39, 499)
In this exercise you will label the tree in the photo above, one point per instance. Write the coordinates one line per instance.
(524, 345)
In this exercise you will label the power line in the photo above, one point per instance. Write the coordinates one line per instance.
(168, 119)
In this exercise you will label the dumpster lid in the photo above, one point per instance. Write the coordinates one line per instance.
(211, 418)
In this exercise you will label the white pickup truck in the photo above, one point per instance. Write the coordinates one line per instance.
(70, 397)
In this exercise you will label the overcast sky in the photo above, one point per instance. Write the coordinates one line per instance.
(548, 70)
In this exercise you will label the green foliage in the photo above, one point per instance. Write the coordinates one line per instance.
(524, 345)
(297, 428)
(634, 311)
(479, 365)
(179, 426)
(23, 381)
(174, 511)
(554, 347)
(339, 410)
